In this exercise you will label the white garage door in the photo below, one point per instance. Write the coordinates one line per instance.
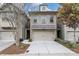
(43, 35)
(8, 36)
(70, 35)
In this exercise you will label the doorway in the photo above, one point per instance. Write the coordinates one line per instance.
(28, 34)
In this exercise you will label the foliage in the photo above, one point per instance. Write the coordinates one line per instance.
(59, 40)
(30, 40)
(68, 44)
(68, 14)
(22, 45)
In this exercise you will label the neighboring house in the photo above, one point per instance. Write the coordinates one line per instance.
(67, 33)
(8, 17)
(43, 24)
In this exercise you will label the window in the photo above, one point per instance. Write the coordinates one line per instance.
(51, 20)
(43, 8)
(35, 20)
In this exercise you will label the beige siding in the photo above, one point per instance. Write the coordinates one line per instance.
(43, 34)
(40, 18)
(68, 33)
(36, 27)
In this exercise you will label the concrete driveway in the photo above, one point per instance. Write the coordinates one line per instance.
(48, 48)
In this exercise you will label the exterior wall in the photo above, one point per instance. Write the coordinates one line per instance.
(6, 24)
(39, 22)
(67, 31)
(8, 12)
(40, 18)
(8, 18)
(9, 36)
(43, 23)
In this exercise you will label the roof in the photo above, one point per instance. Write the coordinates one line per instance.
(43, 12)
(44, 4)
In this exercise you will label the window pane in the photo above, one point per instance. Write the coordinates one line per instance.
(51, 20)
(35, 20)
(43, 8)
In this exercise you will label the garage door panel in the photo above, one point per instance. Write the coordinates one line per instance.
(43, 35)
(8, 36)
(70, 36)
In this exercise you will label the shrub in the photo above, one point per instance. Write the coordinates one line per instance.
(71, 45)
(66, 43)
(59, 40)
(30, 40)
(22, 45)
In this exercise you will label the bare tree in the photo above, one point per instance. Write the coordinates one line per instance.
(11, 20)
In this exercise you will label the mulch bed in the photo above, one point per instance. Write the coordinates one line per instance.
(75, 50)
(13, 49)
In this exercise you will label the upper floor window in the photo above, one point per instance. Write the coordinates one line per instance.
(51, 20)
(35, 20)
(43, 8)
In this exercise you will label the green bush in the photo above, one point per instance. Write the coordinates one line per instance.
(71, 45)
(30, 40)
(66, 43)
(22, 45)
(59, 40)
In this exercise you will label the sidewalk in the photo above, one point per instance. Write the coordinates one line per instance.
(5, 44)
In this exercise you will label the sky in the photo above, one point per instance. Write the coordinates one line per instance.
(35, 6)
(53, 6)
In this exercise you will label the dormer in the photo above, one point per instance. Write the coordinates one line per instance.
(43, 7)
